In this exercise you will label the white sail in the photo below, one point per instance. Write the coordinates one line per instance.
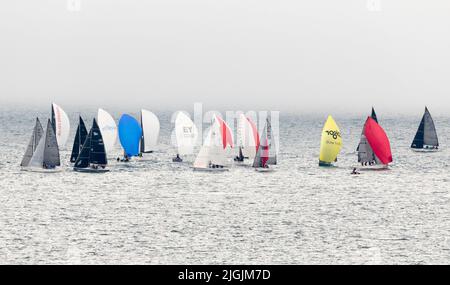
(186, 134)
(212, 151)
(108, 128)
(150, 131)
(37, 160)
(247, 137)
(61, 123)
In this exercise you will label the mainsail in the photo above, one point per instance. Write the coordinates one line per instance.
(378, 141)
(47, 151)
(186, 134)
(80, 137)
(108, 128)
(61, 124)
(150, 131)
(93, 150)
(426, 136)
(130, 133)
(266, 149)
(331, 142)
(32, 145)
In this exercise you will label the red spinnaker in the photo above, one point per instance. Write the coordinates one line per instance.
(378, 141)
(227, 136)
(255, 133)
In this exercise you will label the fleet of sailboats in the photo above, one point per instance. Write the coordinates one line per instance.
(89, 151)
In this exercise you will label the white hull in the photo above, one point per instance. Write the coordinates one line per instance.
(372, 167)
(41, 170)
(210, 169)
(260, 169)
(426, 150)
(90, 170)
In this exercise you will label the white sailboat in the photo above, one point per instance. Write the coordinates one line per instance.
(108, 128)
(46, 155)
(185, 135)
(247, 140)
(212, 155)
(61, 125)
(150, 132)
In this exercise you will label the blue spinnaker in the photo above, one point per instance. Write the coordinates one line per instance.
(130, 133)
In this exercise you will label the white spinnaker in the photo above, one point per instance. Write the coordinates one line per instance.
(212, 150)
(186, 134)
(246, 137)
(150, 129)
(62, 125)
(37, 159)
(108, 128)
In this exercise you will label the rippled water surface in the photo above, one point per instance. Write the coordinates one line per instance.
(156, 211)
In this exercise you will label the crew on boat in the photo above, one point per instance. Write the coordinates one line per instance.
(355, 172)
(177, 159)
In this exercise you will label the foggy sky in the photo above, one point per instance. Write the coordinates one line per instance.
(326, 55)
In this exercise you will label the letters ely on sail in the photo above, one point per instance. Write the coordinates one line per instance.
(38, 132)
(92, 157)
(331, 143)
(80, 137)
(426, 137)
(108, 129)
(150, 131)
(46, 156)
(378, 141)
(186, 134)
(130, 133)
(61, 125)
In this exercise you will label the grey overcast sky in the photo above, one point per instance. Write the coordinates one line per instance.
(256, 54)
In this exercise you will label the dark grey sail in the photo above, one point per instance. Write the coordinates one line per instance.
(51, 151)
(93, 151)
(80, 137)
(32, 145)
(426, 136)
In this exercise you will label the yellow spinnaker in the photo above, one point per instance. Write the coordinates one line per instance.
(331, 142)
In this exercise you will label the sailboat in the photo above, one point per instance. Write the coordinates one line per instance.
(92, 157)
(61, 125)
(375, 149)
(80, 137)
(150, 132)
(265, 150)
(130, 134)
(212, 155)
(331, 143)
(186, 136)
(248, 139)
(366, 155)
(108, 128)
(426, 137)
(38, 132)
(45, 157)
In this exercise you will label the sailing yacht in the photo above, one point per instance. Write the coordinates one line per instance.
(130, 134)
(374, 151)
(61, 125)
(45, 157)
(331, 143)
(212, 155)
(185, 135)
(426, 138)
(266, 153)
(108, 128)
(150, 132)
(247, 140)
(92, 157)
(38, 132)
(80, 137)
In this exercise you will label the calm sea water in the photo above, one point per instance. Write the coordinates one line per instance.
(157, 212)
